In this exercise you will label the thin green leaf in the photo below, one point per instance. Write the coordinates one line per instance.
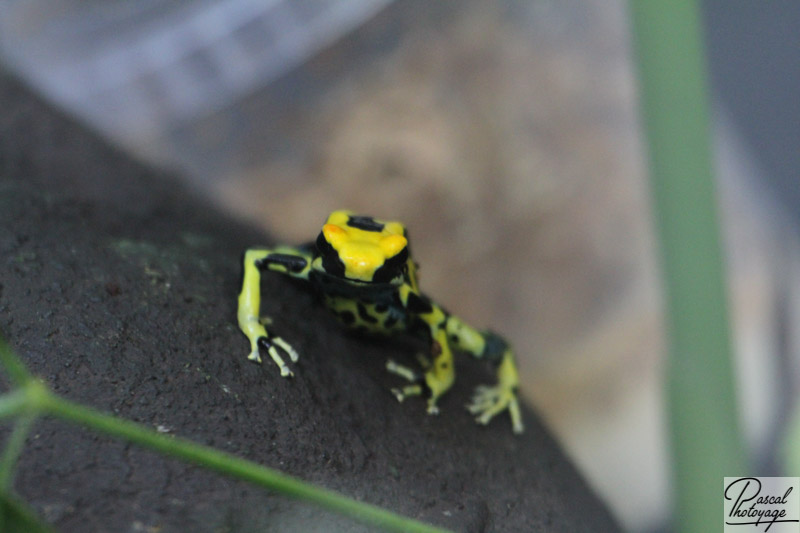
(233, 466)
(17, 517)
(34, 399)
(706, 442)
(14, 446)
(13, 403)
(16, 370)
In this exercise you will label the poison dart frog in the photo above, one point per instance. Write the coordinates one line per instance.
(363, 271)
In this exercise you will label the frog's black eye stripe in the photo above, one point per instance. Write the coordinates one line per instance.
(323, 246)
(330, 258)
(391, 267)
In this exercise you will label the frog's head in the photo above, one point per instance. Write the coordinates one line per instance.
(362, 249)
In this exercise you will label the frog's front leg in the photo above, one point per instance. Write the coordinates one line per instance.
(291, 261)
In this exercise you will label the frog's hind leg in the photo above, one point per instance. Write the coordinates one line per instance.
(490, 400)
(437, 376)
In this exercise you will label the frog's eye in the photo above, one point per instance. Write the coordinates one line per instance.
(334, 234)
(392, 245)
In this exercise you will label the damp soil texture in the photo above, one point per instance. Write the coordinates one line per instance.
(118, 289)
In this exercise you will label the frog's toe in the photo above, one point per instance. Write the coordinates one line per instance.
(488, 402)
(271, 344)
(254, 356)
(286, 347)
(404, 372)
(405, 392)
(398, 393)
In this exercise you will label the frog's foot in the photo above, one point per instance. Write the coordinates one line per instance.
(490, 401)
(271, 345)
(417, 387)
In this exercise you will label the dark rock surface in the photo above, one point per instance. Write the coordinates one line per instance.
(118, 288)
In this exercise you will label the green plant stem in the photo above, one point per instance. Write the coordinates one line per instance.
(224, 463)
(32, 399)
(13, 449)
(13, 403)
(16, 370)
(706, 443)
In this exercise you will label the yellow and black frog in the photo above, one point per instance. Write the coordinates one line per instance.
(362, 269)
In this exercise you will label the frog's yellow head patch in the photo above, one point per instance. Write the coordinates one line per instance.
(361, 248)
